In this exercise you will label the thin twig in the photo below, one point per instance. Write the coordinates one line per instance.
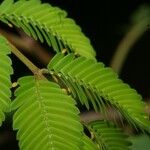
(35, 70)
(125, 45)
(28, 45)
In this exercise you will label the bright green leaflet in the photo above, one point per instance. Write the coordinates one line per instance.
(5, 82)
(108, 137)
(47, 23)
(46, 118)
(91, 82)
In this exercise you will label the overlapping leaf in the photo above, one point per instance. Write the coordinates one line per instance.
(5, 82)
(88, 144)
(44, 22)
(46, 117)
(108, 137)
(89, 80)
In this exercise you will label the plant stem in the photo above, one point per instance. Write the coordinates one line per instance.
(125, 45)
(35, 70)
(28, 45)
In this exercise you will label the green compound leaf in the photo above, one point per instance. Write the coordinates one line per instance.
(47, 23)
(108, 137)
(46, 118)
(91, 82)
(5, 81)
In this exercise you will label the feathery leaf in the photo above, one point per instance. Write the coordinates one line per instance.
(45, 117)
(108, 137)
(89, 80)
(5, 81)
(44, 22)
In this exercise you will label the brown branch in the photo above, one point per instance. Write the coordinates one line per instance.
(28, 45)
(35, 70)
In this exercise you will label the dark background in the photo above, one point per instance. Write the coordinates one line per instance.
(105, 23)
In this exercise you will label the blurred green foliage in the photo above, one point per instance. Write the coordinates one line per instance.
(141, 142)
